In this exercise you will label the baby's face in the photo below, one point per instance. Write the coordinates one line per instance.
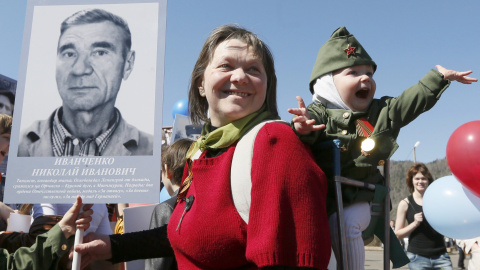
(356, 86)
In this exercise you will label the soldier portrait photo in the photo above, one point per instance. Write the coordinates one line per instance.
(95, 57)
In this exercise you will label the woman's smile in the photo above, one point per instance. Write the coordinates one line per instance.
(236, 93)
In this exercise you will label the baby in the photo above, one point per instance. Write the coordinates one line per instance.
(344, 108)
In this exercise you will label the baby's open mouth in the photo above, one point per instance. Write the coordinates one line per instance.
(362, 93)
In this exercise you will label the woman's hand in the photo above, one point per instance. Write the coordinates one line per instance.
(418, 219)
(453, 75)
(302, 122)
(94, 247)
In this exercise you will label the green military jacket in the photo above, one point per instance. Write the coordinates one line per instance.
(44, 254)
(387, 115)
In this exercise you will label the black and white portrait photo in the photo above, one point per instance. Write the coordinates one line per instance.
(90, 82)
(89, 102)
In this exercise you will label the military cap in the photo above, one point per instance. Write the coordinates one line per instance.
(340, 51)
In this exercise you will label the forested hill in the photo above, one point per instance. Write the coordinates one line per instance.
(398, 170)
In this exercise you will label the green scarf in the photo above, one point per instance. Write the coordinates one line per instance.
(225, 136)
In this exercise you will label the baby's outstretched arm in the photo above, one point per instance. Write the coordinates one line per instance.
(302, 122)
(453, 75)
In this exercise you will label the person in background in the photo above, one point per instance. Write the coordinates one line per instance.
(7, 100)
(426, 248)
(461, 256)
(472, 247)
(5, 211)
(233, 89)
(5, 131)
(173, 165)
(392, 224)
(51, 246)
(11, 241)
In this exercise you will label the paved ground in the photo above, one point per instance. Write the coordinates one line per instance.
(374, 259)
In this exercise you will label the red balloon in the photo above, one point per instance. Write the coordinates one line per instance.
(463, 155)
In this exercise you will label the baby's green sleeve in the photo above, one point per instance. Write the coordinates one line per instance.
(44, 254)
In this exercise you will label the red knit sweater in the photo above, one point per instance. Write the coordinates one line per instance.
(287, 223)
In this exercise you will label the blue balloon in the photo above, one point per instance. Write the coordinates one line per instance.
(180, 107)
(451, 209)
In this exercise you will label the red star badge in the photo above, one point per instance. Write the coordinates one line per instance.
(350, 50)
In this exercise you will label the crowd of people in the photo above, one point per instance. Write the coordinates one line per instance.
(279, 212)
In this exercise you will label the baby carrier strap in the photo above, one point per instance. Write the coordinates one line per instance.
(241, 179)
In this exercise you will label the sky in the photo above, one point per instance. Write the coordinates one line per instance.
(405, 38)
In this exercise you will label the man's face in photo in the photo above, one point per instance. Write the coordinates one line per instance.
(91, 65)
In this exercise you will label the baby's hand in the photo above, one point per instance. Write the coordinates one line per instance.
(453, 75)
(302, 122)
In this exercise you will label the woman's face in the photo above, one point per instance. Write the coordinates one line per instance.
(420, 182)
(234, 83)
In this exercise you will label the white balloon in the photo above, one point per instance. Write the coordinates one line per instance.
(451, 209)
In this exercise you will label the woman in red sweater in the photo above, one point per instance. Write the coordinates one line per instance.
(233, 88)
